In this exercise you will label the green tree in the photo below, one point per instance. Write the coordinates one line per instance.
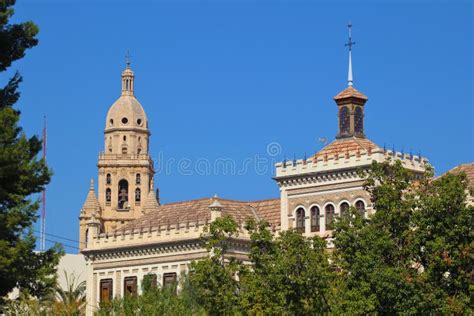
(443, 245)
(289, 274)
(213, 279)
(21, 174)
(72, 299)
(155, 301)
(392, 263)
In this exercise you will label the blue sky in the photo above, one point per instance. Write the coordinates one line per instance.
(223, 79)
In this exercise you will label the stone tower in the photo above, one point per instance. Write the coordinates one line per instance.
(125, 167)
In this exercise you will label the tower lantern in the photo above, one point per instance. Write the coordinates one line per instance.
(350, 103)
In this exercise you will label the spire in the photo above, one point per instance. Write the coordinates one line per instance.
(151, 203)
(91, 204)
(127, 78)
(349, 44)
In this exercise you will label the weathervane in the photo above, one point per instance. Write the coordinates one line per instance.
(349, 44)
(127, 58)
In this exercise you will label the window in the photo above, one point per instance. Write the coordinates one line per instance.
(360, 206)
(124, 120)
(108, 178)
(343, 208)
(315, 219)
(359, 120)
(329, 216)
(344, 120)
(111, 122)
(300, 220)
(169, 279)
(87, 238)
(139, 122)
(123, 194)
(124, 138)
(124, 150)
(108, 195)
(138, 179)
(139, 151)
(106, 291)
(130, 286)
(137, 195)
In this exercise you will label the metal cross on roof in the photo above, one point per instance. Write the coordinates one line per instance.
(350, 42)
(127, 58)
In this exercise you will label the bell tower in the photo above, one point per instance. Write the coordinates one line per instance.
(350, 103)
(125, 167)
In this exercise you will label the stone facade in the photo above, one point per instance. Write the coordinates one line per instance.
(124, 238)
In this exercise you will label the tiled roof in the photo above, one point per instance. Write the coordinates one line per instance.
(347, 146)
(198, 210)
(468, 169)
(350, 92)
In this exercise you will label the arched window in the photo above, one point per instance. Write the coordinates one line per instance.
(329, 216)
(344, 120)
(343, 208)
(138, 179)
(122, 194)
(108, 196)
(315, 219)
(359, 120)
(124, 150)
(108, 178)
(300, 220)
(137, 195)
(360, 206)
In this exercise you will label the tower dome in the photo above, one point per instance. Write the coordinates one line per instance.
(126, 113)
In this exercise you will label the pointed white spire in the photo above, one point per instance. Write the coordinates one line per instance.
(349, 44)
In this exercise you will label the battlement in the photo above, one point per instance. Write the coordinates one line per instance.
(347, 160)
(161, 233)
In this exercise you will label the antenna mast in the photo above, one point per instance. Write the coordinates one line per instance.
(43, 209)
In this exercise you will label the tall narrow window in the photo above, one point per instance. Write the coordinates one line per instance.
(86, 240)
(108, 195)
(108, 178)
(315, 219)
(360, 206)
(329, 216)
(138, 195)
(169, 279)
(343, 209)
(344, 120)
(138, 179)
(300, 220)
(358, 120)
(106, 290)
(122, 194)
(130, 286)
(124, 150)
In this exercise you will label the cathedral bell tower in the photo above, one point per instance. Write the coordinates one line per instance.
(125, 167)
(350, 103)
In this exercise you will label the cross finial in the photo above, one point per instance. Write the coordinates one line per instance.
(349, 44)
(127, 58)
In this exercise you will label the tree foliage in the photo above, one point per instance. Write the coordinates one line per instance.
(21, 175)
(413, 256)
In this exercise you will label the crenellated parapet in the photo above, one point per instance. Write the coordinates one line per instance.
(162, 233)
(344, 163)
